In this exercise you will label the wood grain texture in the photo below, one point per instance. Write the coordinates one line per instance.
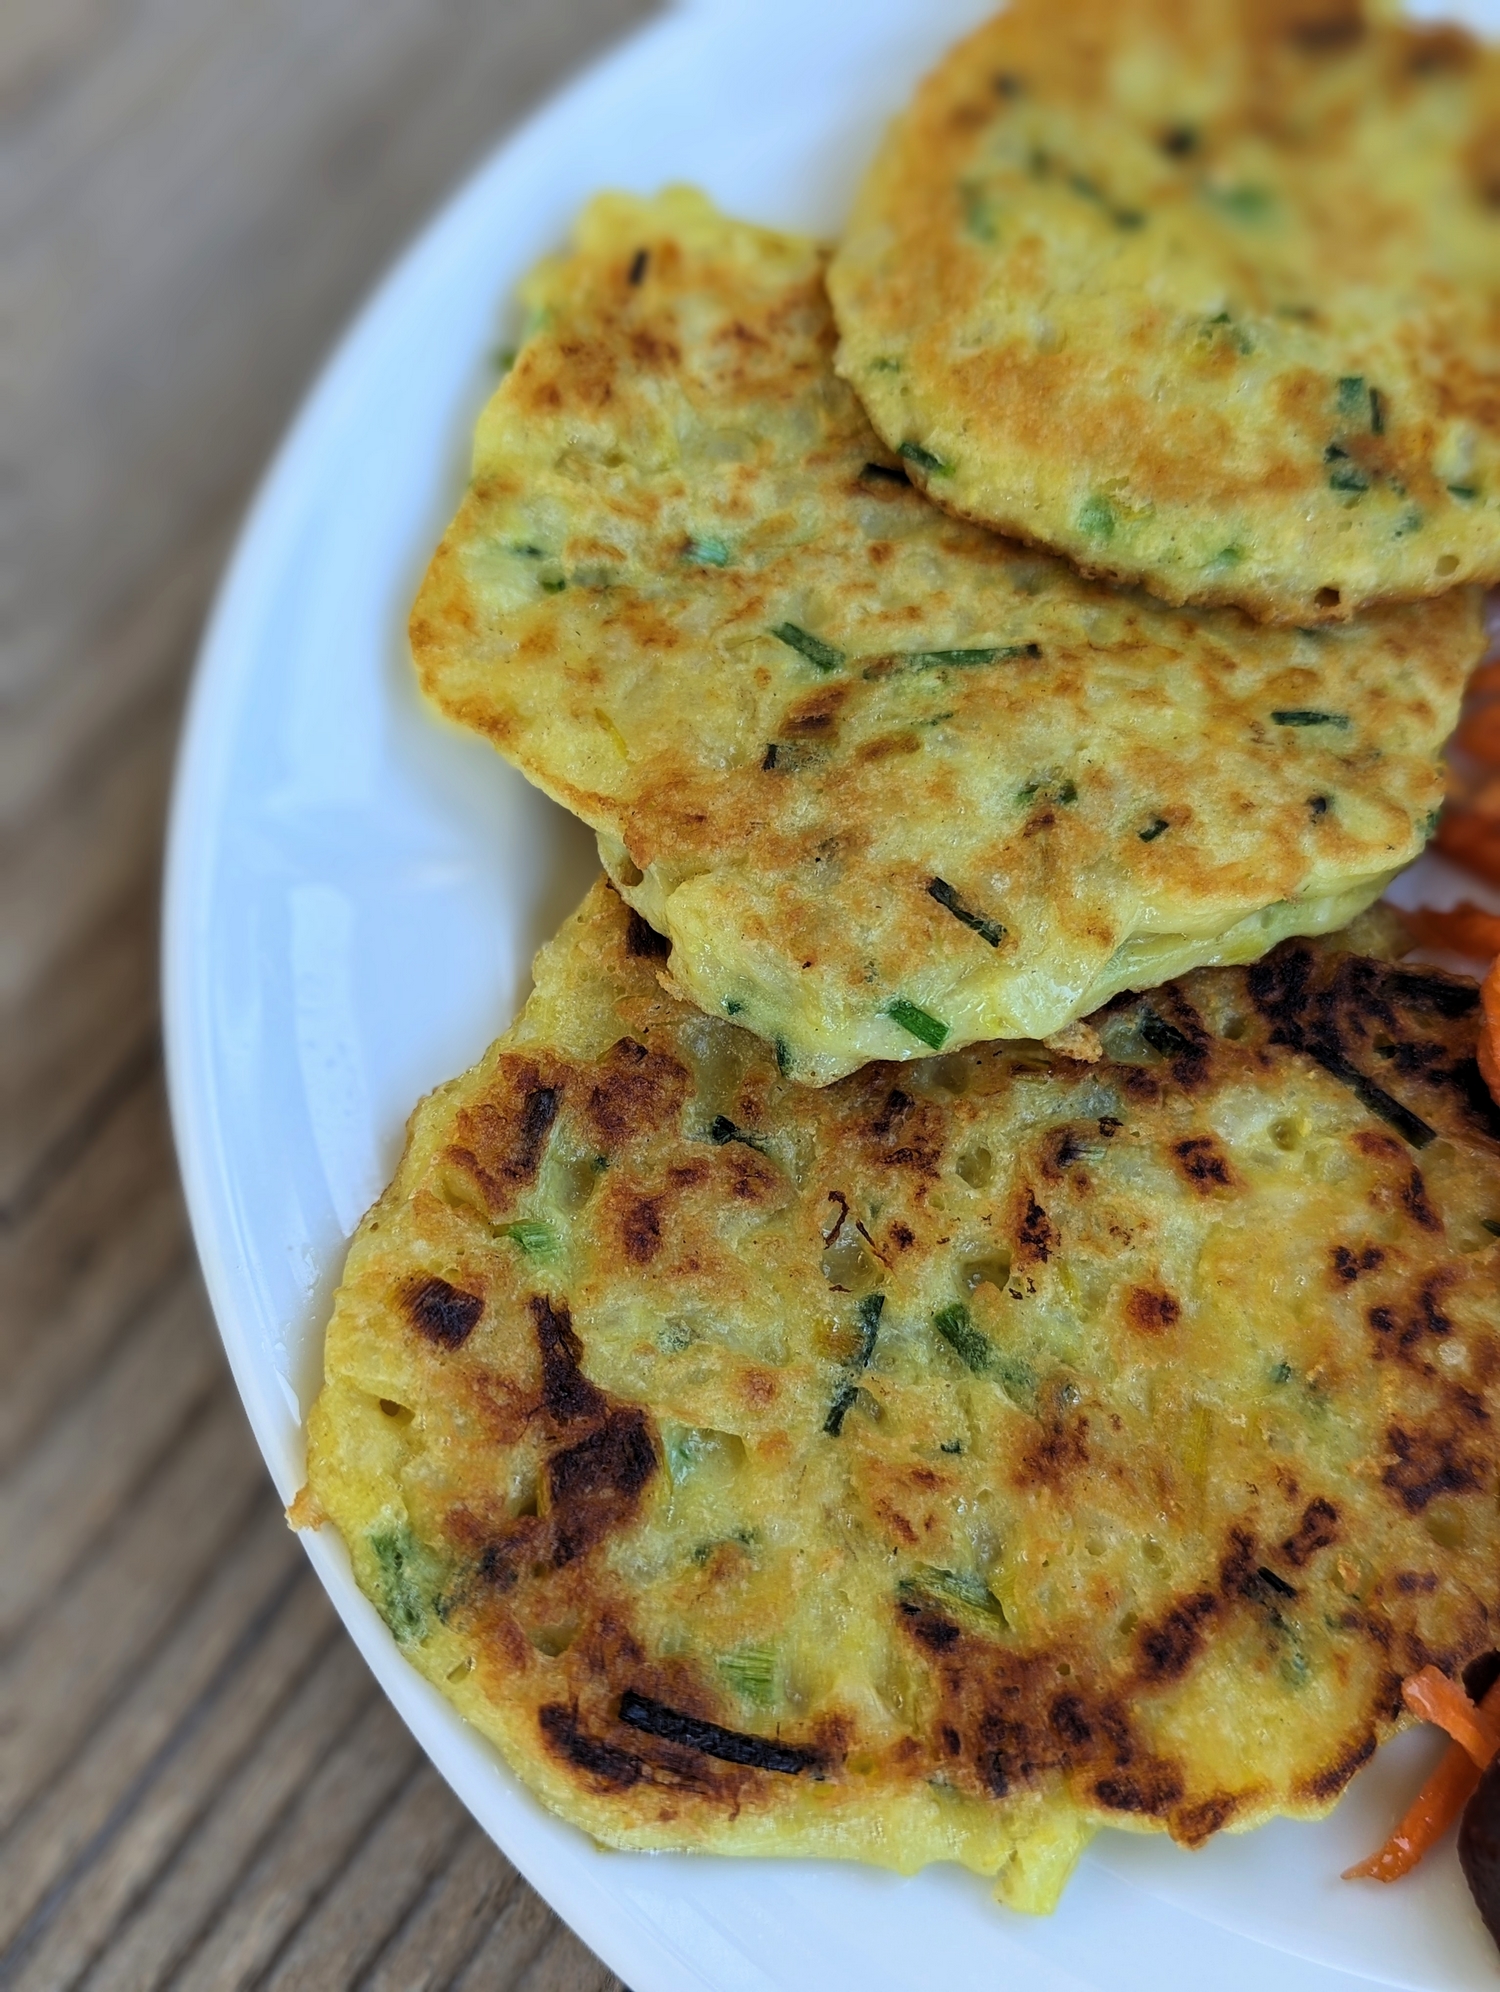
(200, 1786)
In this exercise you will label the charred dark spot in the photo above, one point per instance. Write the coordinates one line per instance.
(1416, 1203)
(1167, 1649)
(636, 1091)
(643, 942)
(1481, 1675)
(1402, 1334)
(615, 1768)
(1330, 1781)
(897, 1105)
(1151, 1789)
(1425, 1465)
(1036, 1235)
(1415, 1583)
(1069, 1719)
(635, 275)
(567, 1393)
(500, 1138)
(442, 1313)
(928, 1627)
(640, 1229)
(1203, 1163)
(1272, 1582)
(1061, 1149)
(1194, 1824)
(617, 1459)
(903, 1237)
(1150, 1310)
(1318, 1528)
(730, 1746)
(1324, 27)
(1348, 1264)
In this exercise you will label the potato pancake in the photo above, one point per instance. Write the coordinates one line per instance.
(1204, 293)
(948, 1462)
(889, 783)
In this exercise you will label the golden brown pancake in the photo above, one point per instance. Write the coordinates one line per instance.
(1202, 293)
(944, 1463)
(887, 782)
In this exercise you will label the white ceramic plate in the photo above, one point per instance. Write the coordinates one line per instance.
(354, 895)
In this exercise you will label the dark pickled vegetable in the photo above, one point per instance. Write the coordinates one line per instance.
(1479, 1848)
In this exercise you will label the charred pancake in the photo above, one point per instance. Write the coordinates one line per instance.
(1204, 293)
(947, 1462)
(888, 783)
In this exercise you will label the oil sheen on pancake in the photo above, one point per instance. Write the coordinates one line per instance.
(1204, 293)
(944, 1463)
(888, 783)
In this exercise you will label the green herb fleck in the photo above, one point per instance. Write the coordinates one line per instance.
(733, 1007)
(751, 1672)
(921, 1023)
(1308, 716)
(956, 1326)
(552, 584)
(503, 359)
(1353, 395)
(1242, 203)
(979, 213)
(924, 459)
(954, 1587)
(951, 1446)
(783, 1056)
(1153, 830)
(1492, 1225)
(407, 1578)
(946, 897)
(1228, 556)
(1096, 517)
(885, 363)
(536, 1239)
(527, 551)
(1345, 475)
(833, 1424)
(937, 660)
(822, 656)
(1281, 1373)
(1467, 492)
(708, 550)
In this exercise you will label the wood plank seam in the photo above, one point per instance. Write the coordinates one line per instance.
(365, 1975)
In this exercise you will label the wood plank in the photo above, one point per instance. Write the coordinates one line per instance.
(446, 1924)
(370, 1900)
(96, 1838)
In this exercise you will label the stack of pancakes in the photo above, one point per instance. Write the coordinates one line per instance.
(964, 1310)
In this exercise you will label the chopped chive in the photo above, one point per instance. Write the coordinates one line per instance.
(987, 930)
(783, 1056)
(1281, 1373)
(822, 656)
(637, 270)
(955, 1587)
(1492, 1225)
(956, 1326)
(1377, 412)
(552, 584)
(768, 759)
(1353, 395)
(1348, 477)
(751, 1672)
(1242, 203)
(1308, 716)
(721, 1129)
(708, 551)
(733, 1007)
(1162, 1036)
(833, 1424)
(527, 551)
(1411, 1127)
(868, 1315)
(1096, 517)
(885, 363)
(931, 1030)
(1465, 491)
(937, 660)
(924, 459)
(951, 1446)
(536, 1240)
(1153, 830)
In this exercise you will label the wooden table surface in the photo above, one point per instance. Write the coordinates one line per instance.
(200, 1785)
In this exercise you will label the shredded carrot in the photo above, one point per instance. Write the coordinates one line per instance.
(1485, 677)
(1470, 839)
(1433, 1697)
(1479, 733)
(1435, 1807)
(1465, 929)
(1489, 1030)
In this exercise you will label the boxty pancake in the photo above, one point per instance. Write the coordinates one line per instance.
(889, 784)
(1204, 293)
(944, 1463)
